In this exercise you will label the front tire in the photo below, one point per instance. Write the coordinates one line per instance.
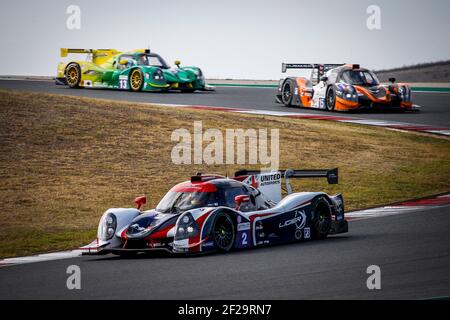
(223, 232)
(331, 98)
(136, 80)
(321, 218)
(73, 75)
(287, 92)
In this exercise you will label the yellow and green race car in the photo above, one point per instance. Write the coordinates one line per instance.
(138, 70)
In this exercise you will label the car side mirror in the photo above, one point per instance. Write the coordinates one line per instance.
(324, 79)
(392, 80)
(240, 200)
(177, 63)
(140, 201)
(123, 62)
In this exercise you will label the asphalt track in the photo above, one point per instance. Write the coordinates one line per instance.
(435, 107)
(412, 250)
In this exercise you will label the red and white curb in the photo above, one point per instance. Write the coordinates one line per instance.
(346, 119)
(400, 208)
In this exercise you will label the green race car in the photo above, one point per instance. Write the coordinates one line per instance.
(138, 70)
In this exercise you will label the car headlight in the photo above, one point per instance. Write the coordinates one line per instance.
(186, 227)
(346, 92)
(108, 226)
(158, 75)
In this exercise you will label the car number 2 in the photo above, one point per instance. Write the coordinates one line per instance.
(244, 239)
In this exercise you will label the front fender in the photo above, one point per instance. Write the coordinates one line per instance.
(124, 217)
(202, 241)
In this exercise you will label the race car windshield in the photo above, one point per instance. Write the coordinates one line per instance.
(175, 202)
(152, 60)
(360, 78)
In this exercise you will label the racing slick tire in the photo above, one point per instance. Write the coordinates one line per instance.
(136, 80)
(73, 75)
(321, 218)
(223, 232)
(330, 100)
(287, 92)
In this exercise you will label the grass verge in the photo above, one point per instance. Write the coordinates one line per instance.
(64, 160)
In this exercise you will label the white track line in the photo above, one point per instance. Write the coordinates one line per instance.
(41, 257)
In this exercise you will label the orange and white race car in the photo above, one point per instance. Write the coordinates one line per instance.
(341, 87)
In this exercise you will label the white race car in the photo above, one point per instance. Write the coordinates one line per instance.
(215, 213)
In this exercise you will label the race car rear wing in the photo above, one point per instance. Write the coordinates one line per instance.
(326, 67)
(99, 56)
(332, 176)
(318, 70)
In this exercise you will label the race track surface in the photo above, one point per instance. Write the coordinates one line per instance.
(412, 250)
(435, 109)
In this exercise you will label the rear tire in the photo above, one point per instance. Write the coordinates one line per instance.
(223, 232)
(287, 92)
(321, 218)
(73, 75)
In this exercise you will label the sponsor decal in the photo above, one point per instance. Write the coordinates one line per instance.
(307, 232)
(208, 244)
(243, 226)
(322, 103)
(87, 83)
(270, 179)
(100, 84)
(298, 234)
(299, 220)
(239, 219)
(155, 244)
(137, 227)
(259, 225)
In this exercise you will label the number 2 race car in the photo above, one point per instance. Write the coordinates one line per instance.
(215, 213)
(139, 70)
(341, 87)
